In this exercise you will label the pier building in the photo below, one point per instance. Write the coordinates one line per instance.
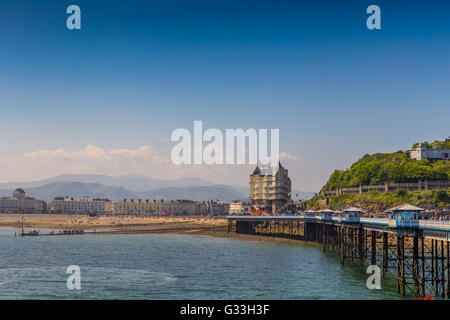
(415, 251)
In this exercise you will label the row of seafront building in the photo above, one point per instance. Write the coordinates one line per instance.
(172, 207)
(269, 190)
(137, 206)
(21, 203)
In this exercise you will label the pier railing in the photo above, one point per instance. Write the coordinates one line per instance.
(434, 224)
(391, 187)
(380, 221)
(416, 252)
(392, 223)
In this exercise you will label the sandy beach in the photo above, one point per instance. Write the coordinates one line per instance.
(216, 227)
(105, 222)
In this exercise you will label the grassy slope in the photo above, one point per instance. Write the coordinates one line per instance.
(380, 201)
(380, 168)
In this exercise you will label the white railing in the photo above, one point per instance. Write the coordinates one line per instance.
(382, 221)
(351, 219)
(393, 223)
(434, 224)
(403, 223)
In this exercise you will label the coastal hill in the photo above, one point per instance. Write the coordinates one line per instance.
(395, 167)
(381, 168)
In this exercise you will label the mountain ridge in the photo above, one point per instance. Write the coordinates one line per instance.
(130, 187)
(133, 182)
(96, 190)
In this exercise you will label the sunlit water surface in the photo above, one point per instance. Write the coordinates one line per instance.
(165, 266)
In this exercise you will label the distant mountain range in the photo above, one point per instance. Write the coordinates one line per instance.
(130, 187)
(131, 182)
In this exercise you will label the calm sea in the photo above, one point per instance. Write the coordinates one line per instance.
(175, 267)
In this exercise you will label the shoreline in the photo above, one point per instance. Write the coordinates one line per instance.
(226, 234)
(115, 225)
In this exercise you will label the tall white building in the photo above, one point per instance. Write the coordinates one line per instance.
(270, 189)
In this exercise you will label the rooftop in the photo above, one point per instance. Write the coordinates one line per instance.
(404, 207)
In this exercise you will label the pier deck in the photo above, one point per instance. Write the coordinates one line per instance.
(416, 251)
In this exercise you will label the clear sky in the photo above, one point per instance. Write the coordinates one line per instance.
(105, 99)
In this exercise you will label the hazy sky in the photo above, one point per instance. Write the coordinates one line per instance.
(105, 99)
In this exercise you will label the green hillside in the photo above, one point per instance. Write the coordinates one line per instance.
(380, 168)
(379, 201)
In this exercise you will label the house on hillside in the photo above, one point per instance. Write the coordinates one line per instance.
(422, 152)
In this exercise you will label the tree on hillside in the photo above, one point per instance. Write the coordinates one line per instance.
(380, 168)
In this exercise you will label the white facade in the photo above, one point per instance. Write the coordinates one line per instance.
(422, 152)
(78, 205)
(20, 203)
(157, 207)
(270, 189)
(237, 207)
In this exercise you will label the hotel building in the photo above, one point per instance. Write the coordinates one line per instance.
(20, 203)
(270, 189)
(82, 205)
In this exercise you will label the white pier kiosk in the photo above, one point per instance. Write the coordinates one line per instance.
(326, 214)
(404, 216)
(352, 215)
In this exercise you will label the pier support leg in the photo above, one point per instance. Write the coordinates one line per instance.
(361, 246)
(422, 246)
(433, 275)
(416, 275)
(442, 270)
(342, 244)
(385, 261)
(373, 251)
(448, 270)
(401, 265)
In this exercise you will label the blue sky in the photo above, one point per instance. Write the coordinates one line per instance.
(136, 71)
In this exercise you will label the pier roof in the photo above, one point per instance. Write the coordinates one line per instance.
(404, 207)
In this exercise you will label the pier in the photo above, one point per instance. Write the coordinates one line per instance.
(416, 251)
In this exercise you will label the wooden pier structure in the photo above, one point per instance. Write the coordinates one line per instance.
(417, 252)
